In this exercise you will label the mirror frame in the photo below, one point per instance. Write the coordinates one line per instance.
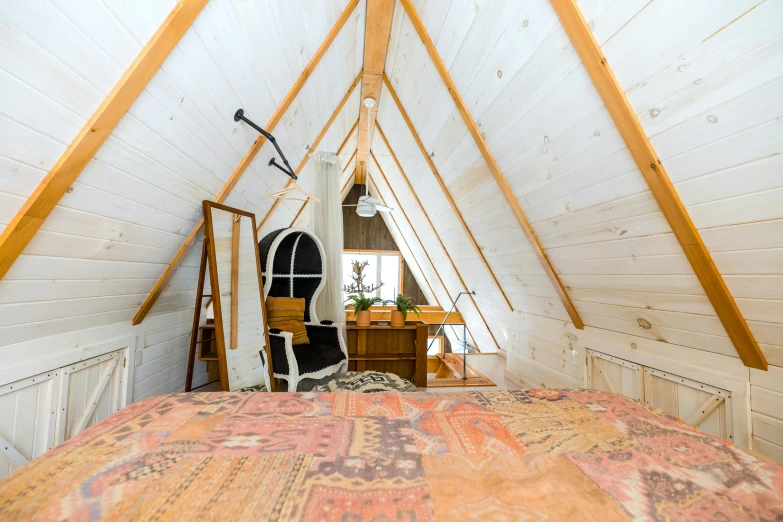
(215, 291)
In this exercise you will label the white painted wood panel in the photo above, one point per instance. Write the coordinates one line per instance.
(607, 373)
(27, 423)
(428, 251)
(110, 238)
(702, 406)
(90, 391)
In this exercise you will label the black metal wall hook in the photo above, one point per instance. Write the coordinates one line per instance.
(240, 115)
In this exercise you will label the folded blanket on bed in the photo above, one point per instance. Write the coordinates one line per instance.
(499, 455)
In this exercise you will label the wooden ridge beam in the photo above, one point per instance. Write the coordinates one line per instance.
(98, 128)
(442, 185)
(658, 180)
(440, 241)
(376, 43)
(500, 179)
(168, 274)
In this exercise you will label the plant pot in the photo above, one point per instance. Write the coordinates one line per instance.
(397, 319)
(363, 318)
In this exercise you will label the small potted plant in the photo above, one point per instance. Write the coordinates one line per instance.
(361, 307)
(404, 305)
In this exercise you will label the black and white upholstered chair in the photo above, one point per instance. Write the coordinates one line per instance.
(292, 264)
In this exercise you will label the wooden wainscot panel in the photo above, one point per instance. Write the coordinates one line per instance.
(722, 410)
(614, 375)
(700, 405)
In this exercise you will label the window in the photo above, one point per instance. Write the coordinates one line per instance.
(372, 272)
(434, 345)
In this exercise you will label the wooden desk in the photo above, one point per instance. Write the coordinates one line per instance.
(381, 348)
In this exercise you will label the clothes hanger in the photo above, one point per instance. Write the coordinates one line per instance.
(293, 192)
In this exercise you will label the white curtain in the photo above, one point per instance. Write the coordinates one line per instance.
(326, 222)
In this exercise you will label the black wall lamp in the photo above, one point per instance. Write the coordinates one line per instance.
(240, 115)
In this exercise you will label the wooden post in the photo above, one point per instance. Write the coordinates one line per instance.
(422, 334)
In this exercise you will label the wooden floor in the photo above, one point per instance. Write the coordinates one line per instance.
(490, 364)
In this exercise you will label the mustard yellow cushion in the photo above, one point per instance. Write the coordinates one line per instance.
(287, 314)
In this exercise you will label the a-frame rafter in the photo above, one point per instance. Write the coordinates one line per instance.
(402, 236)
(421, 244)
(80, 152)
(313, 147)
(442, 185)
(315, 144)
(500, 179)
(658, 180)
(168, 274)
(343, 191)
(434, 230)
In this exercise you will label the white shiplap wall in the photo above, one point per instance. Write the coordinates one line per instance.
(107, 242)
(708, 89)
(705, 80)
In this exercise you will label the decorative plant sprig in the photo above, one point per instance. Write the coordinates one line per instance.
(361, 302)
(357, 274)
(405, 304)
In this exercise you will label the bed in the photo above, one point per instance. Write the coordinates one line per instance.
(498, 455)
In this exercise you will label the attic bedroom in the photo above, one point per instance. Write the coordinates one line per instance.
(354, 260)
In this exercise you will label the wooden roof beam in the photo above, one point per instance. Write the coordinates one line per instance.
(491, 163)
(247, 159)
(343, 191)
(376, 43)
(304, 161)
(33, 213)
(658, 180)
(429, 221)
(347, 163)
(435, 232)
(443, 186)
(298, 214)
(407, 245)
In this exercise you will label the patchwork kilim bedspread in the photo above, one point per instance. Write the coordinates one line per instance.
(489, 456)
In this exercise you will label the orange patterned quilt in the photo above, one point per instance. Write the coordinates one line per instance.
(498, 456)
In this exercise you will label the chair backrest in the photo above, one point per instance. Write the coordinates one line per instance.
(292, 265)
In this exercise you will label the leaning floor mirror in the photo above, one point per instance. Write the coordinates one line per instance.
(235, 281)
